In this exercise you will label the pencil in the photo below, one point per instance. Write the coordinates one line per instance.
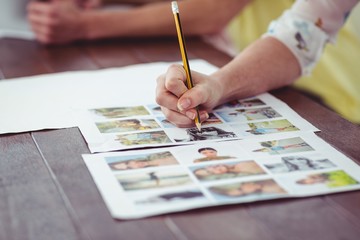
(189, 82)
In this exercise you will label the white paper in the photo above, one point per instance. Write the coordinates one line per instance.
(13, 20)
(295, 165)
(115, 127)
(52, 100)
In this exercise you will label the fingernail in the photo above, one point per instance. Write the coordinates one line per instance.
(204, 116)
(183, 104)
(190, 115)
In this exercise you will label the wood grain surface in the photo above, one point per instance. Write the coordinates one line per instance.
(47, 192)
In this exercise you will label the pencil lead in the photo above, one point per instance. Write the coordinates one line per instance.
(198, 125)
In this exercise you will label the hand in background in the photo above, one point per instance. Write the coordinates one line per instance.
(57, 21)
(178, 103)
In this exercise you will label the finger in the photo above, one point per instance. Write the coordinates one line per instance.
(175, 80)
(164, 97)
(204, 115)
(178, 119)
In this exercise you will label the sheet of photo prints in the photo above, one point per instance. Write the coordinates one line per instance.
(128, 127)
(154, 181)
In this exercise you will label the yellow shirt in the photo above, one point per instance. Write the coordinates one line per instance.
(335, 79)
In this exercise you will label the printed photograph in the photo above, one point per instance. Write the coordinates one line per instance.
(119, 112)
(154, 179)
(143, 138)
(288, 145)
(252, 190)
(155, 109)
(242, 115)
(173, 197)
(331, 179)
(165, 123)
(227, 170)
(127, 125)
(121, 163)
(210, 154)
(212, 120)
(267, 127)
(249, 102)
(298, 163)
(206, 133)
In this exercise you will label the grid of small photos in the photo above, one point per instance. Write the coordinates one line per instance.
(149, 182)
(120, 128)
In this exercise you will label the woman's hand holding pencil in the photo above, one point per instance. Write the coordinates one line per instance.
(179, 103)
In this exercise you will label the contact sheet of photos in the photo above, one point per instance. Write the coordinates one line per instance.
(148, 182)
(129, 127)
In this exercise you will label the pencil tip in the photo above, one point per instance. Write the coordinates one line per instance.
(198, 125)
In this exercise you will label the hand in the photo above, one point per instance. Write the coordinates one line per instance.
(89, 4)
(58, 21)
(178, 102)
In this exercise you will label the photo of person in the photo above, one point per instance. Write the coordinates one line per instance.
(241, 115)
(298, 163)
(289, 145)
(268, 127)
(212, 120)
(249, 102)
(165, 123)
(227, 170)
(155, 109)
(206, 133)
(154, 179)
(119, 112)
(210, 154)
(332, 179)
(253, 190)
(120, 163)
(173, 197)
(127, 125)
(157, 137)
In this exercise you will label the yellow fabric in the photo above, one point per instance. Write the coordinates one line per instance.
(335, 79)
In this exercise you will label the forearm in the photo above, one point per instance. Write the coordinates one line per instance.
(198, 17)
(265, 65)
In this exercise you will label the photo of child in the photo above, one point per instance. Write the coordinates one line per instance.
(206, 133)
(154, 179)
(121, 163)
(227, 170)
(249, 102)
(260, 189)
(119, 112)
(288, 145)
(127, 125)
(242, 115)
(331, 179)
(268, 127)
(210, 154)
(157, 137)
(298, 163)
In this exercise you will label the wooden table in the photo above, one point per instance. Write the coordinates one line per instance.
(46, 191)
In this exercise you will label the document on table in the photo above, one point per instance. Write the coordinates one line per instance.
(143, 183)
(126, 127)
(52, 101)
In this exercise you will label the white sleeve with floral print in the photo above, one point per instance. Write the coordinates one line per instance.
(308, 26)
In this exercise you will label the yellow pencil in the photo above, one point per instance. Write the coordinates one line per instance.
(189, 82)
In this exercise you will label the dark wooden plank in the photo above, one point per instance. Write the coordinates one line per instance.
(31, 206)
(21, 58)
(86, 202)
(225, 222)
(308, 218)
(111, 53)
